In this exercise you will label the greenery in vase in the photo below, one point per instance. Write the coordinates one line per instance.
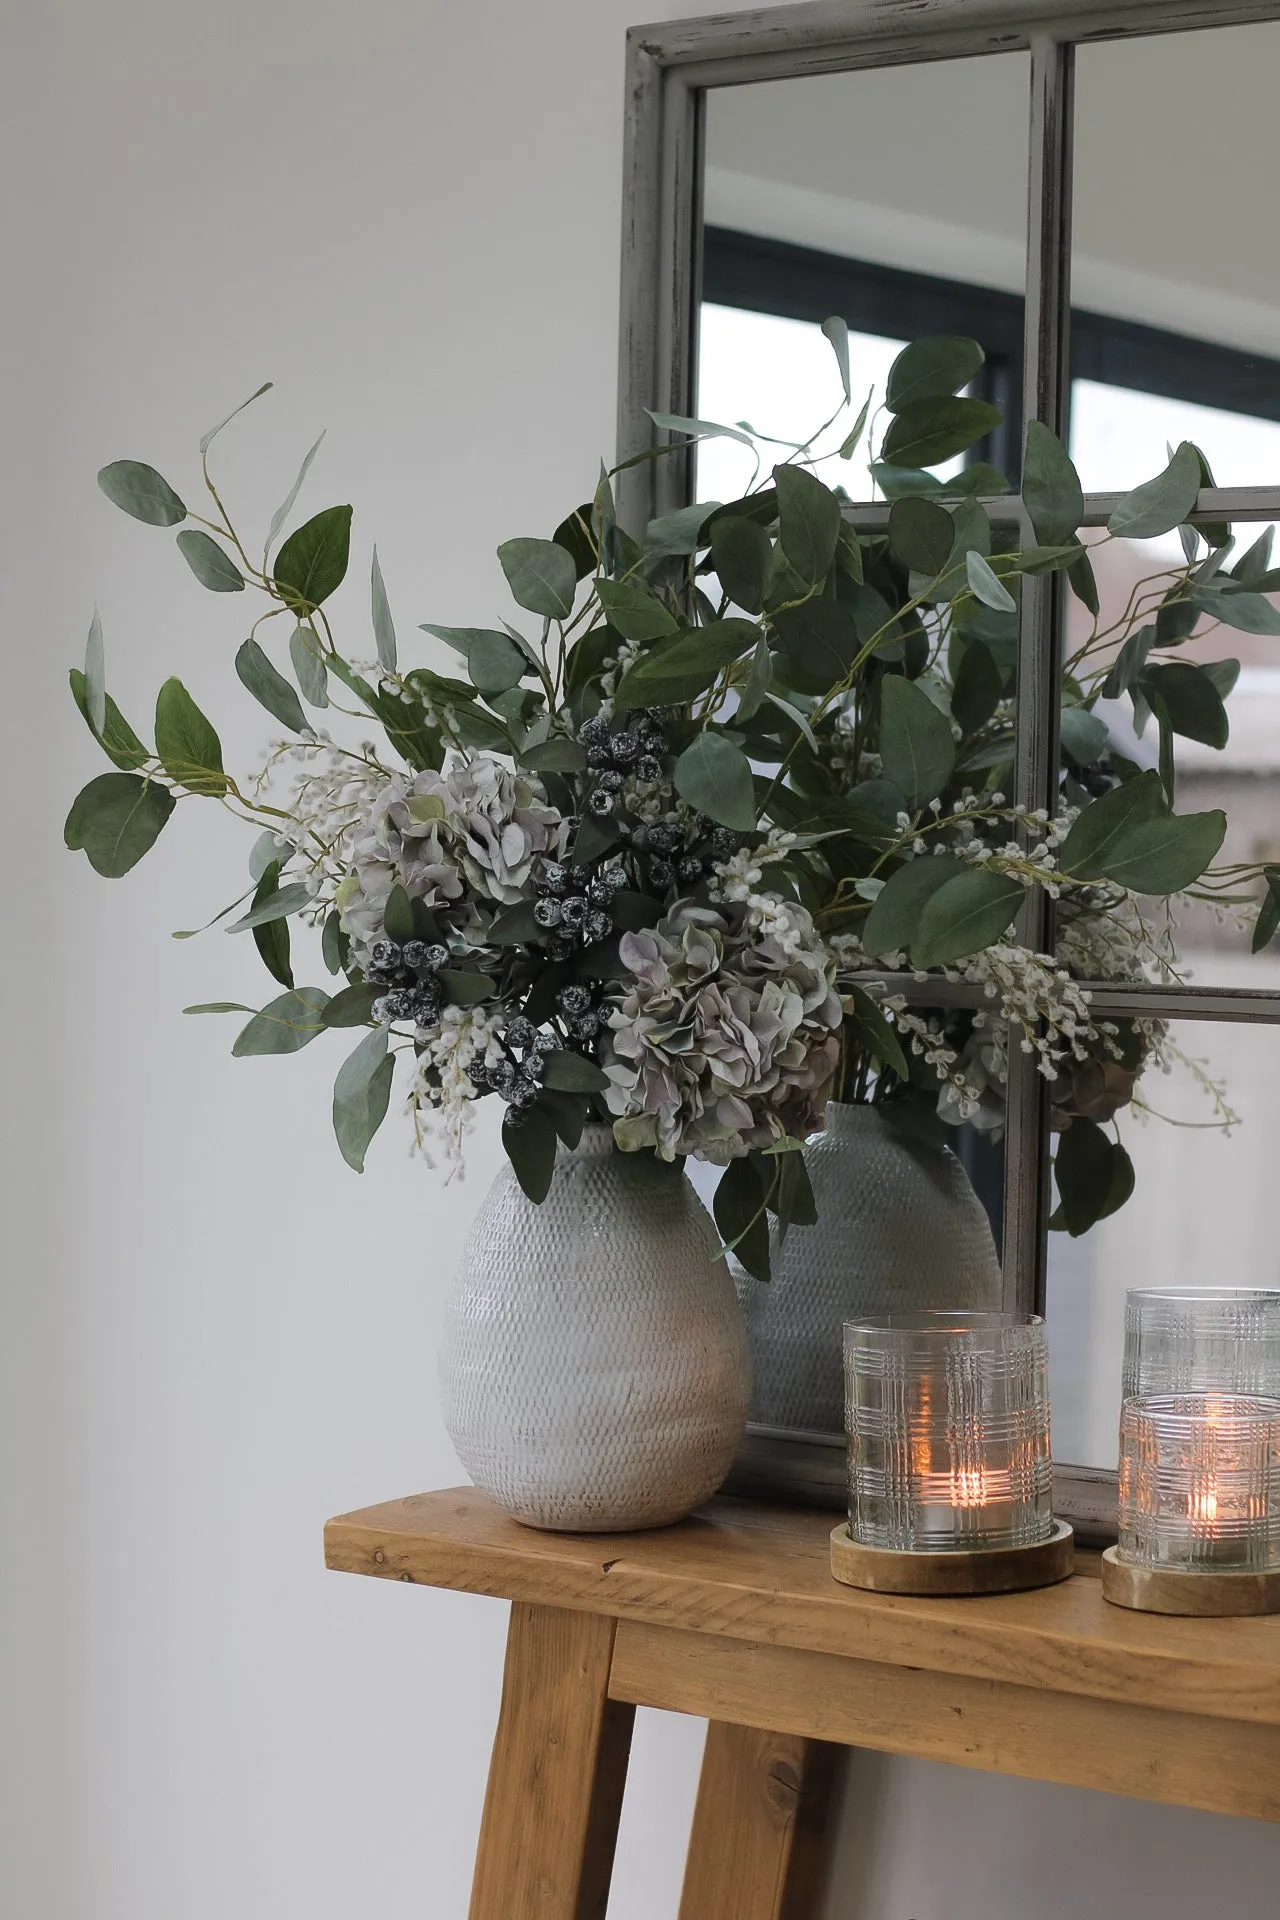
(608, 865)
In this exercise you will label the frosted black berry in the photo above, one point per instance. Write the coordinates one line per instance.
(600, 803)
(585, 1026)
(661, 873)
(640, 837)
(648, 767)
(598, 926)
(414, 954)
(574, 998)
(552, 876)
(724, 844)
(520, 1032)
(691, 867)
(578, 876)
(502, 1076)
(598, 756)
(385, 953)
(573, 911)
(664, 839)
(547, 912)
(610, 780)
(545, 1043)
(593, 731)
(625, 747)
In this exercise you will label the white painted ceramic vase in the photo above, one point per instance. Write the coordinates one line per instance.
(899, 1230)
(594, 1366)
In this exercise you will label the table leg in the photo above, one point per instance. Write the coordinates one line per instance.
(557, 1774)
(757, 1850)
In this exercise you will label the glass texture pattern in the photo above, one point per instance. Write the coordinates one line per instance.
(1201, 1340)
(948, 1426)
(1200, 1482)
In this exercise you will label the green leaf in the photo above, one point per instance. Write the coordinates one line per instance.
(186, 743)
(634, 612)
(916, 748)
(353, 1006)
(873, 1029)
(335, 947)
(118, 740)
(271, 936)
(837, 333)
(1129, 836)
(674, 535)
(1192, 701)
(759, 678)
(207, 439)
(1051, 489)
(384, 631)
(809, 521)
(116, 819)
(361, 1094)
(593, 838)
(465, 988)
(1100, 827)
(397, 915)
(211, 564)
(1268, 920)
(699, 429)
(684, 667)
(284, 1025)
(741, 553)
(820, 642)
(495, 663)
(739, 1209)
(139, 490)
(274, 904)
(308, 665)
(1255, 561)
(218, 1006)
(978, 688)
(893, 921)
(542, 576)
(557, 755)
(94, 678)
(531, 1149)
(269, 688)
(921, 534)
(515, 927)
(849, 445)
(285, 508)
(915, 1118)
(1083, 584)
(971, 912)
(1223, 674)
(1084, 735)
(576, 535)
(633, 911)
(985, 585)
(1094, 1176)
(1128, 663)
(1160, 504)
(927, 369)
(569, 1072)
(791, 1193)
(312, 563)
(567, 1113)
(715, 777)
(1247, 612)
(926, 431)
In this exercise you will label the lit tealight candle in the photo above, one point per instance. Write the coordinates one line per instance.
(1200, 1482)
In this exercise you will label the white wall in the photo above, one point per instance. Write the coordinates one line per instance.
(407, 215)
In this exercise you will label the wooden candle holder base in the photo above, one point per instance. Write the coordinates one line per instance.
(991, 1570)
(1203, 1596)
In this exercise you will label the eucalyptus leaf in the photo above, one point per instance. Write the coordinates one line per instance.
(1094, 1176)
(849, 445)
(312, 563)
(758, 681)
(921, 535)
(207, 439)
(1100, 827)
(542, 577)
(308, 665)
(218, 1006)
(116, 819)
(384, 632)
(269, 687)
(568, 1072)
(285, 508)
(274, 905)
(837, 333)
(715, 777)
(977, 689)
(335, 947)
(94, 679)
(1194, 705)
(634, 612)
(1130, 837)
(674, 535)
(1084, 735)
(1268, 921)
(809, 521)
(567, 1113)
(740, 1215)
(1247, 612)
(353, 1006)
(1051, 489)
(931, 368)
(1160, 504)
(684, 667)
(970, 912)
(916, 748)
(1128, 664)
(211, 564)
(556, 755)
(926, 431)
(986, 585)
(186, 742)
(139, 490)
(285, 1025)
(741, 552)
(361, 1095)
(820, 640)
(271, 936)
(1083, 584)
(515, 926)
(397, 915)
(699, 429)
(117, 738)
(871, 1025)
(894, 919)
(531, 1149)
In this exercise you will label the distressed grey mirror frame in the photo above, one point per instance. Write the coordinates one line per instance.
(671, 67)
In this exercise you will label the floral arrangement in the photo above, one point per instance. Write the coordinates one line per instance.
(607, 863)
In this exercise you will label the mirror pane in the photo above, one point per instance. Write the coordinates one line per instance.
(894, 197)
(1201, 1138)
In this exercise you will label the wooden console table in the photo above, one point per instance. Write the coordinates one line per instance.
(734, 1615)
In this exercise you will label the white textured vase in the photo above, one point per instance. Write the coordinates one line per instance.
(899, 1230)
(594, 1367)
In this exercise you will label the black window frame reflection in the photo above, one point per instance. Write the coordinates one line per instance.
(802, 283)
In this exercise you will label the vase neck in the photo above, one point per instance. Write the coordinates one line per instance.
(850, 1117)
(596, 1143)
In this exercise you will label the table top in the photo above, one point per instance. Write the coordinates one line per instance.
(751, 1572)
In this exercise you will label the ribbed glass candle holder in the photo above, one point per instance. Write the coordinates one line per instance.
(1200, 1482)
(948, 1425)
(1202, 1340)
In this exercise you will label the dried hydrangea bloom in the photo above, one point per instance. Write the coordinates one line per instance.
(495, 822)
(726, 1036)
(397, 842)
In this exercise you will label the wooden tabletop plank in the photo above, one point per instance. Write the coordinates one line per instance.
(751, 1572)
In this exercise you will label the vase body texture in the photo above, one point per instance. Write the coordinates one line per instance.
(594, 1368)
(899, 1230)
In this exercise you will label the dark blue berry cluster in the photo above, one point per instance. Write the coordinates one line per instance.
(673, 858)
(408, 973)
(518, 1077)
(636, 748)
(573, 904)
